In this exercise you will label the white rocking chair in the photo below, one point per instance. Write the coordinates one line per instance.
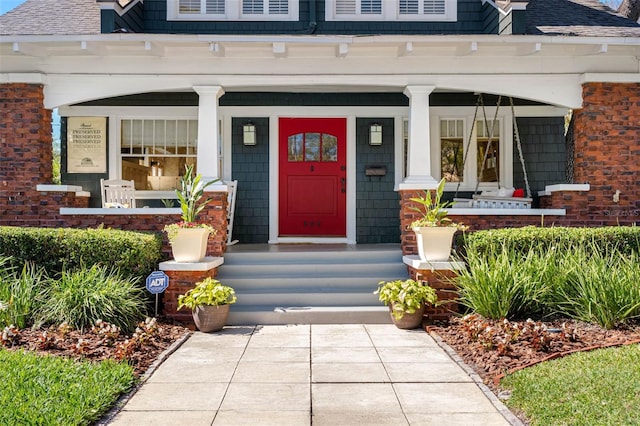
(118, 193)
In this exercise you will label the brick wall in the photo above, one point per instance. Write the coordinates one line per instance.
(607, 152)
(442, 282)
(25, 151)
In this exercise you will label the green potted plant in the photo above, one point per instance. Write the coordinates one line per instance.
(407, 300)
(434, 230)
(189, 238)
(209, 302)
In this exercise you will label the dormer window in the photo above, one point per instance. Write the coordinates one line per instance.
(391, 10)
(232, 10)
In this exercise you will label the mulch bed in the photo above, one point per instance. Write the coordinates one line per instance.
(491, 347)
(496, 347)
(101, 342)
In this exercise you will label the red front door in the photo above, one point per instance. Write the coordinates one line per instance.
(313, 172)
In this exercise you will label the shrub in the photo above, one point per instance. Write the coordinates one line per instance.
(133, 253)
(18, 293)
(503, 283)
(601, 289)
(87, 295)
(624, 239)
(591, 274)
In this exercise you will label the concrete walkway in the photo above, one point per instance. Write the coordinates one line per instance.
(310, 374)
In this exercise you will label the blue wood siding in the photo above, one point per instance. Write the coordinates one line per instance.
(544, 151)
(471, 20)
(250, 167)
(377, 204)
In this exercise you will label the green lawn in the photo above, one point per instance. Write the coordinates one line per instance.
(591, 388)
(53, 390)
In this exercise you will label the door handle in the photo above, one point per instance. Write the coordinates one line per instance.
(343, 182)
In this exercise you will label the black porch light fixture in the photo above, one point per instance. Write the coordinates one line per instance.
(249, 134)
(375, 134)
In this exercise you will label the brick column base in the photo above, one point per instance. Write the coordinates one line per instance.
(440, 277)
(183, 277)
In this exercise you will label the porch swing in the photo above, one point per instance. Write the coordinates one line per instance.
(503, 198)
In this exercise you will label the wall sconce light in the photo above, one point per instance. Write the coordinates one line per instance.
(249, 134)
(375, 134)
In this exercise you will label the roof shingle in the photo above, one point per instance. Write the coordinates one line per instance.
(52, 17)
(588, 18)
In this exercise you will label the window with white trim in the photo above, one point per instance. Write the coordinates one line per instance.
(232, 10)
(154, 152)
(458, 149)
(452, 150)
(391, 10)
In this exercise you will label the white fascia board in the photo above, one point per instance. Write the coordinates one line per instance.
(330, 39)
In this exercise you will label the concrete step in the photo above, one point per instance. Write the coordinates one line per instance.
(365, 283)
(261, 314)
(298, 297)
(318, 254)
(299, 270)
(304, 284)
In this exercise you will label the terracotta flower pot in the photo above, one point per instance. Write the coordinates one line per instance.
(190, 245)
(408, 321)
(434, 243)
(210, 318)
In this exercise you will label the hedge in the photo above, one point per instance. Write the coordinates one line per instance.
(135, 254)
(625, 239)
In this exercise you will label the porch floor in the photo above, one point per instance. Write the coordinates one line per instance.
(309, 248)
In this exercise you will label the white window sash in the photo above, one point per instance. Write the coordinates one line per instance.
(234, 12)
(391, 12)
(470, 168)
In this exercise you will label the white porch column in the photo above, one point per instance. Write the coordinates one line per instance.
(419, 167)
(208, 141)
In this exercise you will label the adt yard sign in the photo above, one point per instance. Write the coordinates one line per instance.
(157, 282)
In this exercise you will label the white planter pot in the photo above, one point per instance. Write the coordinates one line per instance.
(190, 245)
(434, 243)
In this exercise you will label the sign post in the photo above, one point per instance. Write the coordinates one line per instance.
(157, 282)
